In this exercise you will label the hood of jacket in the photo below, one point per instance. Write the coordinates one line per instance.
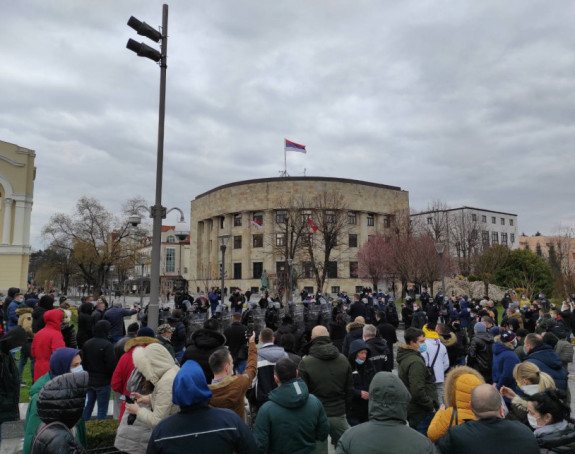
(405, 351)
(23, 310)
(499, 348)
(459, 383)
(485, 337)
(63, 398)
(388, 398)
(430, 334)
(190, 387)
(46, 302)
(140, 342)
(356, 346)
(207, 339)
(449, 340)
(86, 308)
(547, 356)
(61, 360)
(354, 325)
(271, 353)
(53, 318)
(322, 348)
(14, 338)
(292, 394)
(31, 302)
(102, 329)
(153, 361)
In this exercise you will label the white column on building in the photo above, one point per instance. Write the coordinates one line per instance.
(7, 221)
(27, 222)
(19, 222)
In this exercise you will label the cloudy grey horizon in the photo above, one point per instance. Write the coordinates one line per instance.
(471, 103)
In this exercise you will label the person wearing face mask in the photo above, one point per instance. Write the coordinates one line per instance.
(490, 433)
(362, 373)
(17, 303)
(417, 379)
(531, 381)
(419, 318)
(549, 415)
(62, 361)
(504, 360)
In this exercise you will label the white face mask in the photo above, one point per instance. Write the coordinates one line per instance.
(77, 369)
(532, 421)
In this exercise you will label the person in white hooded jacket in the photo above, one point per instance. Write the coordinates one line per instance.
(436, 356)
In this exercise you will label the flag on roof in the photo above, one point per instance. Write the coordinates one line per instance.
(256, 223)
(292, 146)
(312, 225)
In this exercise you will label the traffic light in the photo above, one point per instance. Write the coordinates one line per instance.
(141, 49)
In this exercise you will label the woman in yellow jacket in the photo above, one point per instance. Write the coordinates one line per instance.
(459, 383)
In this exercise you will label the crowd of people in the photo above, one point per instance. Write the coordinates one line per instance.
(466, 379)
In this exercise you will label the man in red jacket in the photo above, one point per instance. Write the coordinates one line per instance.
(46, 341)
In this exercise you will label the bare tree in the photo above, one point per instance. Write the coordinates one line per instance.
(435, 222)
(375, 259)
(464, 238)
(489, 263)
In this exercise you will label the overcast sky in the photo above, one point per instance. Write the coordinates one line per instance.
(468, 102)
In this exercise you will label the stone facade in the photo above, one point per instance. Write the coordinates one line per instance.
(17, 174)
(217, 212)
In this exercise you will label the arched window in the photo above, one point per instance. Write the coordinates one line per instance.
(171, 239)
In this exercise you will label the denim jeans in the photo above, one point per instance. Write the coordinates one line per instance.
(423, 425)
(242, 366)
(337, 426)
(100, 394)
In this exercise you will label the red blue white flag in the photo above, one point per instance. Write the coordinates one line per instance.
(292, 146)
(255, 223)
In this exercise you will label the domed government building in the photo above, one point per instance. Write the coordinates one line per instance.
(267, 224)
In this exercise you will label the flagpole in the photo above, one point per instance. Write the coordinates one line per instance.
(285, 159)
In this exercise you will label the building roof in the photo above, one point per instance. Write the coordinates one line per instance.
(300, 178)
(464, 208)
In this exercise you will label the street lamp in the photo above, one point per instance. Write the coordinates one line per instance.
(223, 245)
(290, 264)
(440, 248)
(158, 212)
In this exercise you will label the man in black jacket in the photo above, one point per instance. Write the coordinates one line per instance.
(99, 360)
(379, 350)
(237, 342)
(237, 301)
(490, 432)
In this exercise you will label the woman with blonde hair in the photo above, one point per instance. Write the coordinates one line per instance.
(531, 381)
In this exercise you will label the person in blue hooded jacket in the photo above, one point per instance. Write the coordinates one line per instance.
(544, 357)
(198, 427)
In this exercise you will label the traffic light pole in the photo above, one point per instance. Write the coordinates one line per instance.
(158, 212)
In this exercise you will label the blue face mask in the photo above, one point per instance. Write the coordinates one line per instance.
(423, 347)
(525, 350)
(359, 361)
(77, 369)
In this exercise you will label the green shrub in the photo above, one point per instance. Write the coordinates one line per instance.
(101, 433)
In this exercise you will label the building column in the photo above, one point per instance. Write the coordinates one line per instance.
(19, 222)
(7, 221)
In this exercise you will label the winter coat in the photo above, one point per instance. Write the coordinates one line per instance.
(356, 309)
(419, 382)
(98, 357)
(454, 349)
(565, 351)
(46, 341)
(419, 319)
(504, 360)
(354, 332)
(60, 400)
(489, 435)
(236, 341)
(9, 376)
(442, 362)
(125, 366)
(380, 354)
(12, 320)
(167, 343)
(204, 343)
(517, 316)
(25, 320)
(362, 374)
(457, 395)
(159, 368)
(38, 318)
(230, 392)
(69, 335)
(115, 315)
(327, 374)
(337, 334)
(386, 432)
(556, 438)
(268, 356)
(291, 421)
(199, 427)
(84, 324)
(480, 355)
(549, 362)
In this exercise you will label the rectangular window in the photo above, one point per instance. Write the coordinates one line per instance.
(258, 240)
(237, 242)
(335, 289)
(258, 217)
(237, 270)
(330, 217)
(512, 238)
(170, 263)
(494, 238)
(358, 288)
(473, 217)
(485, 238)
(386, 221)
(352, 218)
(332, 270)
(474, 235)
(429, 221)
(309, 290)
(280, 239)
(370, 220)
(307, 270)
(353, 270)
(511, 222)
(258, 269)
(254, 290)
(281, 268)
(502, 221)
(484, 219)
(222, 220)
(305, 215)
(281, 216)
(504, 239)
(493, 220)
(352, 240)
(237, 220)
